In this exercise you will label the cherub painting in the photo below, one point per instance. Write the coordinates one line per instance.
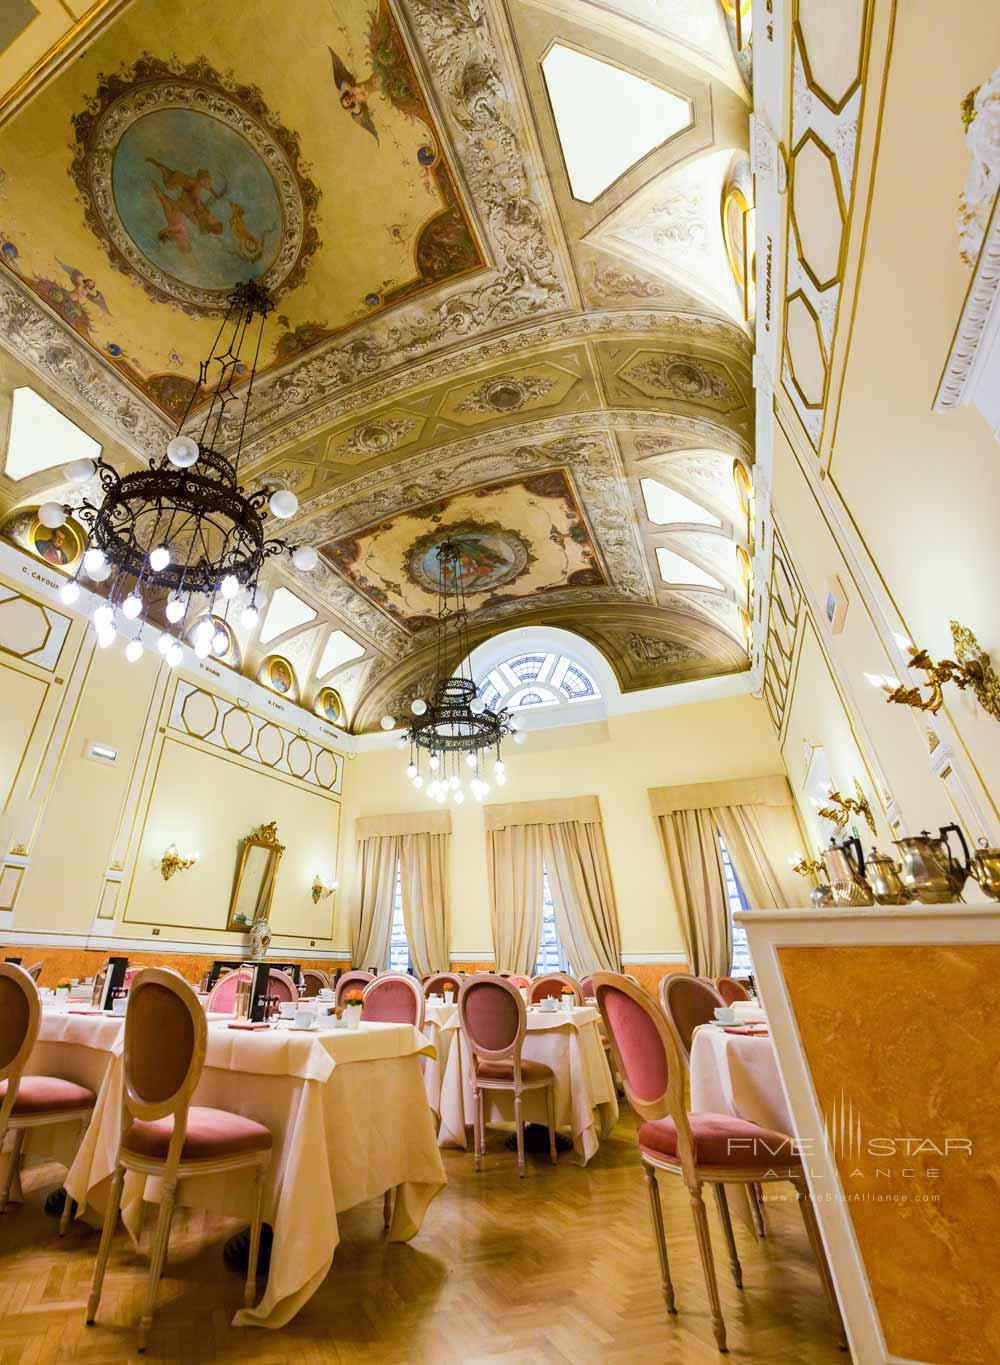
(391, 77)
(72, 302)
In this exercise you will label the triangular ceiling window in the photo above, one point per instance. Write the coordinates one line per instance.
(675, 569)
(340, 649)
(285, 612)
(41, 437)
(664, 505)
(607, 118)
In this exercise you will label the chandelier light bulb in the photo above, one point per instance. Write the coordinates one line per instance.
(203, 648)
(182, 452)
(435, 763)
(175, 609)
(388, 722)
(69, 592)
(105, 636)
(471, 760)
(52, 515)
(250, 618)
(477, 706)
(304, 557)
(454, 784)
(99, 575)
(418, 781)
(132, 606)
(283, 503)
(93, 560)
(165, 644)
(133, 651)
(440, 796)
(229, 586)
(501, 779)
(79, 471)
(460, 797)
(174, 655)
(411, 771)
(220, 642)
(418, 706)
(104, 616)
(499, 768)
(159, 558)
(204, 630)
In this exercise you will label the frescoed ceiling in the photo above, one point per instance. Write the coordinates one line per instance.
(458, 344)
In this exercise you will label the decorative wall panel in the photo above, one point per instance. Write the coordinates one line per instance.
(30, 630)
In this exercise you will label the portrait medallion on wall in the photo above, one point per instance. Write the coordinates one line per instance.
(330, 706)
(279, 675)
(60, 547)
(191, 186)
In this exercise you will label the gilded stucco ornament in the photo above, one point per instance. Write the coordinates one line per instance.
(981, 116)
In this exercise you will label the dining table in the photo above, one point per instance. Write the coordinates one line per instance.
(566, 1041)
(349, 1117)
(438, 1014)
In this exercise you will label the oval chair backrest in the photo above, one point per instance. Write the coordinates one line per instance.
(313, 981)
(35, 971)
(520, 982)
(587, 986)
(730, 989)
(394, 998)
(688, 1002)
(20, 1015)
(493, 1017)
(282, 987)
(222, 997)
(552, 983)
(357, 980)
(165, 1037)
(440, 981)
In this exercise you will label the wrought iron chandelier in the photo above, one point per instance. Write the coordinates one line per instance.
(184, 528)
(454, 728)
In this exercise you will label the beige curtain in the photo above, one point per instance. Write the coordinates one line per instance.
(424, 881)
(514, 870)
(694, 863)
(582, 895)
(372, 928)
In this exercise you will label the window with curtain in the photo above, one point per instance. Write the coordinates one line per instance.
(550, 954)
(741, 964)
(399, 948)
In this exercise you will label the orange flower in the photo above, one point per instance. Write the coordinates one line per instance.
(354, 998)
(568, 990)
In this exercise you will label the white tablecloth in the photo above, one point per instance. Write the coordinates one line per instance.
(350, 1119)
(733, 1073)
(570, 1045)
(436, 1019)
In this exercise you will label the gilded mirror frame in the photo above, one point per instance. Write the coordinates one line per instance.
(265, 837)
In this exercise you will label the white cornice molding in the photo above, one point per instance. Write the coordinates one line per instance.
(971, 370)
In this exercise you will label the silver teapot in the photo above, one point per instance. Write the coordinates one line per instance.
(845, 869)
(886, 883)
(929, 868)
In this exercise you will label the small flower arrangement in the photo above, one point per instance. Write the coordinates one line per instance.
(354, 997)
(568, 991)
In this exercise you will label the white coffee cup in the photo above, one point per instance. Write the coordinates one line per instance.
(725, 1015)
(549, 1003)
(304, 1018)
(287, 1009)
(120, 1004)
(325, 993)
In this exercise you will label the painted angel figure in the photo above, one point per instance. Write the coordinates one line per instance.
(391, 76)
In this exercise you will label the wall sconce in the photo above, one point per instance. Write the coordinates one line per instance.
(972, 668)
(841, 808)
(320, 892)
(805, 867)
(172, 862)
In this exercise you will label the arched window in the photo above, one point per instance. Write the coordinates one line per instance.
(535, 680)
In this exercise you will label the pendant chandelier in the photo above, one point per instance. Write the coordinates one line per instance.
(454, 728)
(183, 535)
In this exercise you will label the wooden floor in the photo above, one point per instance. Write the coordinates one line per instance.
(559, 1267)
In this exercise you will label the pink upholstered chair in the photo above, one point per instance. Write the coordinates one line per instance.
(440, 982)
(703, 1149)
(552, 983)
(587, 986)
(688, 1001)
(222, 998)
(282, 987)
(394, 998)
(494, 1020)
(313, 981)
(30, 1101)
(520, 982)
(163, 1134)
(730, 989)
(356, 979)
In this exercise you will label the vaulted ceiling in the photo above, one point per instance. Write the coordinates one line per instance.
(502, 246)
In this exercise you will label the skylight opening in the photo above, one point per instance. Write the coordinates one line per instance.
(42, 438)
(675, 569)
(607, 119)
(285, 611)
(340, 649)
(665, 505)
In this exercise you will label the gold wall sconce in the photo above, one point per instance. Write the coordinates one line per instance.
(972, 667)
(320, 892)
(803, 866)
(172, 862)
(840, 808)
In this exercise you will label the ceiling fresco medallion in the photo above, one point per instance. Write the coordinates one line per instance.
(392, 563)
(192, 185)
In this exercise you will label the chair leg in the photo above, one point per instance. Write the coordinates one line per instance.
(727, 1227)
(387, 1206)
(15, 1161)
(708, 1265)
(67, 1213)
(818, 1250)
(159, 1255)
(550, 1096)
(656, 1214)
(479, 1136)
(519, 1124)
(250, 1292)
(107, 1233)
(755, 1197)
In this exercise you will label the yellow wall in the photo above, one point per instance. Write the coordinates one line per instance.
(618, 761)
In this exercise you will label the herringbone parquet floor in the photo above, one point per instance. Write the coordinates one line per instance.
(559, 1267)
